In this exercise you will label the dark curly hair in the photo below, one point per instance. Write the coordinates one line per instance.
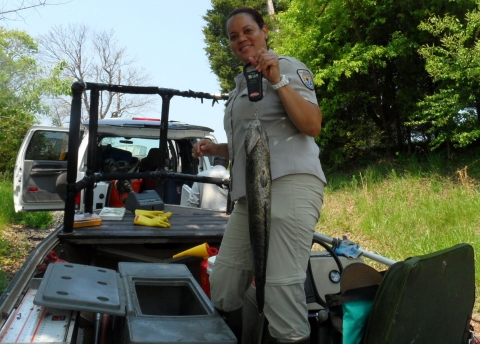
(250, 11)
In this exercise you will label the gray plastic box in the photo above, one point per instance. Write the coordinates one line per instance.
(165, 304)
(161, 303)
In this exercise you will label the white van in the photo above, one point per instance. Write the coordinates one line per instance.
(124, 145)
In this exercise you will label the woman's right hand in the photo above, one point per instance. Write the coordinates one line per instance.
(204, 147)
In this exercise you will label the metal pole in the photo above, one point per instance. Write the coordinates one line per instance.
(92, 147)
(73, 143)
(163, 139)
(373, 256)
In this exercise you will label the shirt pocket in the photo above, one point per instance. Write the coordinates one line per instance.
(247, 109)
(243, 110)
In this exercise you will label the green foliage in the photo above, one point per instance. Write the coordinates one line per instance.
(222, 61)
(452, 112)
(18, 101)
(368, 72)
(5, 248)
(54, 84)
(390, 75)
(3, 281)
(22, 86)
(6, 201)
(40, 220)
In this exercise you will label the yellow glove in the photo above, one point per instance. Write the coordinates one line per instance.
(158, 221)
(152, 213)
(148, 213)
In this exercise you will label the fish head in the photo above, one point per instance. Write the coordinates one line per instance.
(255, 135)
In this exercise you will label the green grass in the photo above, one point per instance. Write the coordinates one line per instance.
(6, 201)
(3, 281)
(414, 208)
(40, 220)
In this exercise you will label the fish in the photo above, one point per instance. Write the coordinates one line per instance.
(258, 184)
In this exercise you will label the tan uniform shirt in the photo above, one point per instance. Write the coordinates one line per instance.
(290, 150)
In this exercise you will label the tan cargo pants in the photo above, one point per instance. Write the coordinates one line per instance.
(296, 205)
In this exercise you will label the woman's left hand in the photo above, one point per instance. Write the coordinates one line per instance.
(306, 116)
(267, 63)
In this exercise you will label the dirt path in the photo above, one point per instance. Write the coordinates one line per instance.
(476, 324)
(23, 240)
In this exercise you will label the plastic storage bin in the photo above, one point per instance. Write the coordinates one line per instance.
(166, 305)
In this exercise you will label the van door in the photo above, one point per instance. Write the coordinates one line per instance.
(40, 174)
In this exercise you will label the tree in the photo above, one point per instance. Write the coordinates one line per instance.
(368, 72)
(374, 86)
(94, 57)
(23, 84)
(222, 61)
(14, 10)
(452, 113)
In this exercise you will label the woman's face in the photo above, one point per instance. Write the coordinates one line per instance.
(246, 38)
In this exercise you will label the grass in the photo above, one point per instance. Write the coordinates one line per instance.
(6, 201)
(399, 211)
(40, 220)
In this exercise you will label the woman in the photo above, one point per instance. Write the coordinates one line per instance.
(292, 118)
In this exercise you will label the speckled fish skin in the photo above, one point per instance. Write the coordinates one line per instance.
(258, 184)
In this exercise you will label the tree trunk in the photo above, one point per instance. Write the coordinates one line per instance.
(270, 8)
(409, 139)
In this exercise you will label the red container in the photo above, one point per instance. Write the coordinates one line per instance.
(204, 278)
(204, 272)
(116, 200)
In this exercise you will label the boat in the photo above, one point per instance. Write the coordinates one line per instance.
(109, 280)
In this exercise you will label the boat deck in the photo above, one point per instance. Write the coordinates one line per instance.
(187, 225)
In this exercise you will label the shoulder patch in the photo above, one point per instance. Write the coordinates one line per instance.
(307, 78)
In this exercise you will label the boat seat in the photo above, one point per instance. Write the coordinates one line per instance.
(425, 299)
(150, 162)
(116, 154)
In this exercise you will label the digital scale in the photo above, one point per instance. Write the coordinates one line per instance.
(147, 200)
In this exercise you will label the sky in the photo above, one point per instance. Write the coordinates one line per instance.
(163, 37)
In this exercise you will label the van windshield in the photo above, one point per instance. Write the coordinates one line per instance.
(139, 147)
(133, 154)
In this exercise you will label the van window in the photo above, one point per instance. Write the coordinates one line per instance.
(136, 150)
(139, 147)
(48, 145)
